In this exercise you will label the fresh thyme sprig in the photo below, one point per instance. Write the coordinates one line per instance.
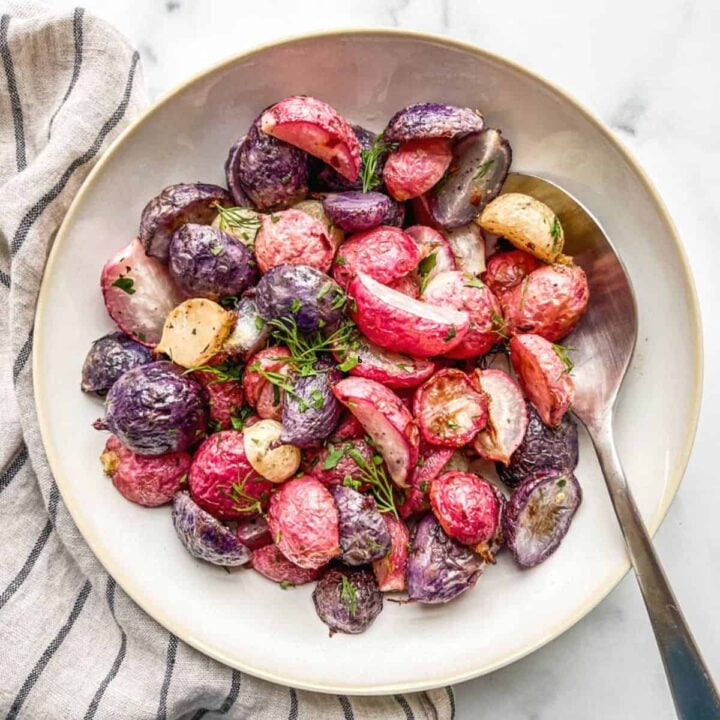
(370, 162)
(348, 594)
(244, 502)
(244, 223)
(224, 372)
(564, 354)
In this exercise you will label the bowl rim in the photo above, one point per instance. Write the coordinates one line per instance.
(137, 593)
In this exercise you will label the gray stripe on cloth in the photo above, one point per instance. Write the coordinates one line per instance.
(92, 709)
(293, 715)
(23, 356)
(78, 41)
(37, 209)
(17, 112)
(169, 667)
(37, 548)
(4, 278)
(48, 653)
(229, 700)
(451, 699)
(403, 703)
(346, 707)
(14, 467)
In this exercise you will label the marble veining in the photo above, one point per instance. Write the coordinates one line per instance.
(650, 72)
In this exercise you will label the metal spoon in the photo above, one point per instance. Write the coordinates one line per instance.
(603, 347)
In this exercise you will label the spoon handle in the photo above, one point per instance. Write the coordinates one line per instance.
(692, 687)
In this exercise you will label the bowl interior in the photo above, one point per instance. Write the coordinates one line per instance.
(242, 619)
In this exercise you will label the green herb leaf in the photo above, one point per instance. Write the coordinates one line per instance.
(555, 231)
(349, 481)
(125, 284)
(295, 305)
(317, 400)
(230, 302)
(426, 266)
(471, 281)
(562, 482)
(370, 162)
(217, 250)
(333, 458)
(243, 223)
(423, 486)
(275, 218)
(563, 353)
(451, 333)
(483, 170)
(259, 323)
(348, 594)
(349, 363)
(285, 179)
(240, 416)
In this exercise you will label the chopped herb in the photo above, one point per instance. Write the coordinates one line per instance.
(217, 250)
(317, 400)
(183, 480)
(285, 179)
(125, 284)
(451, 333)
(348, 594)
(340, 260)
(555, 231)
(324, 290)
(499, 324)
(230, 302)
(426, 266)
(350, 362)
(333, 457)
(224, 372)
(562, 482)
(215, 426)
(423, 486)
(285, 584)
(374, 474)
(349, 481)
(259, 323)
(483, 170)
(240, 417)
(452, 425)
(471, 281)
(275, 218)
(370, 162)
(563, 353)
(239, 221)
(140, 336)
(340, 300)
(244, 502)
(420, 461)
(295, 305)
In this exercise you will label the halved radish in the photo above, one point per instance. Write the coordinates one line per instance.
(385, 253)
(416, 166)
(317, 128)
(543, 375)
(390, 570)
(387, 367)
(508, 418)
(449, 411)
(463, 291)
(397, 322)
(505, 270)
(293, 237)
(435, 253)
(406, 285)
(195, 331)
(386, 420)
(138, 293)
(260, 393)
(468, 246)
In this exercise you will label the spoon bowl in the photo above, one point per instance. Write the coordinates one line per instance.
(602, 348)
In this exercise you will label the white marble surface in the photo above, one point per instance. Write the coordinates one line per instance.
(649, 70)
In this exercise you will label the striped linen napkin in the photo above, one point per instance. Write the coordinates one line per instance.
(73, 645)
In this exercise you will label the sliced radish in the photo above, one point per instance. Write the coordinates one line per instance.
(397, 322)
(406, 285)
(390, 570)
(260, 393)
(543, 375)
(508, 418)
(385, 253)
(449, 411)
(387, 367)
(317, 128)
(386, 420)
(138, 293)
(430, 463)
(416, 166)
(435, 253)
(466, 292)
(195, 331)
(468, 247)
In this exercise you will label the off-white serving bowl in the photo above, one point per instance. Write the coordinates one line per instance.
(243, 619)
